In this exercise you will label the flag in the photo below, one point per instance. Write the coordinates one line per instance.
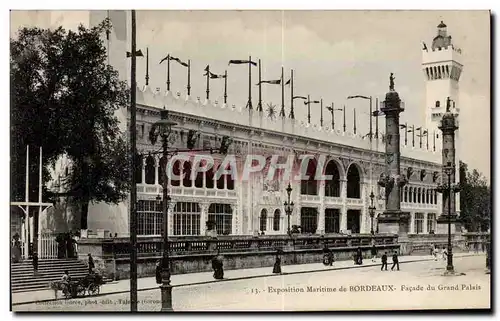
(299, 97)
(214, 76)
(418, 128)
(241, 62)
(179, 61)
(272, 82)
(402, 126)
(167, 57)
(206, 69)
(357, 96)
(311, 102)
(288, 82)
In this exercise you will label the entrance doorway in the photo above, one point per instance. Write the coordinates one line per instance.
(332, 220)
(353, 220)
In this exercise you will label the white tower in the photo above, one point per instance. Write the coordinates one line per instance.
(442, 67)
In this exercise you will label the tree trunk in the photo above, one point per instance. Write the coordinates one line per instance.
(84, 211)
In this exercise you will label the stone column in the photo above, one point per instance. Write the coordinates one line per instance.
(424, 228)
(143, 170)
(343, 211)
(203, 217)
(235, 223)
(157, 172)
(321, 209)
(448, 126)
(170, 214)
(393, 220)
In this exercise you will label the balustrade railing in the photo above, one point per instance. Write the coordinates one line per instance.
(153, 246)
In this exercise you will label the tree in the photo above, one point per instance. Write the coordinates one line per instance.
(64, 97)
(475, 200)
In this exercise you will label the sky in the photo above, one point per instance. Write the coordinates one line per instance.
(334, 54)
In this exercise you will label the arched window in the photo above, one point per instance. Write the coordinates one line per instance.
(198, 182)
(150, 170)
(419, 193)
(309, 186)
(263, 220)
(229, 178)
(276, 220)
(353, 182)
(221, 179)
(332, 186)
(161, 168)
(138, 169)
(427, 196)
(414, 195)
(176, 174)
(435, 197)
(405, 199)
(187, 174)
(438, 104)
(209, 178)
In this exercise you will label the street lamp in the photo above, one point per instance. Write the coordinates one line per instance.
(372, 209)
(288, 207)
(163, 128)
(449, 190)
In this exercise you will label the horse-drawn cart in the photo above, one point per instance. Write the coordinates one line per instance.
(90, 285)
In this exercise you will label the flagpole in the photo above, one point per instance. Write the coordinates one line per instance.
(282, 112)
(427, 139)
(344, 117)
(413, 135)
(208, 82)
(406, 134)
(189, 77)
(333, 116)
(308, 110)
(225, 87)
(371, 118)
(354, 121)
(27, 172)
(434, 139)
(420, 135)
(376, 118)
(321, 119)
(259, 106)
(292, 115)
(249, 83)
(168, 73)
(36, 222)
(147, 66)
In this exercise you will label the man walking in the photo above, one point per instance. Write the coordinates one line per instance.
(384, 262)
(91, 264)
(374, 252)
(395, 261)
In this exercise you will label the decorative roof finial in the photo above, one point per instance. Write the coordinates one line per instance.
(391, 82)
(448, 104)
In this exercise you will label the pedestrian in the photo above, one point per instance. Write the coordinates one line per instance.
(158, 272)
(395, 261)
(35, 263)
(277, 263)
(359, 256)
(217, 266)
(445, 253)
(384, 262)
(91, 264)
(374, 252)
(435, 252)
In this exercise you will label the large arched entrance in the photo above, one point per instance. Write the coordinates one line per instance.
(308, 184)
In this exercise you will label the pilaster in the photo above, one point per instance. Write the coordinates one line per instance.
(343, 211)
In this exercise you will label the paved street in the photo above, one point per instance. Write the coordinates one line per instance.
(308, 291)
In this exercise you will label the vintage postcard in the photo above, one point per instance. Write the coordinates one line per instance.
(268, 160)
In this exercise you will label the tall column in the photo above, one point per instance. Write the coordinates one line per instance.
(143, 170)
(157, 168)
(203, 217)
(343, 196)
(321, 209)
(235, 220)
(393, 220)
(448, 126)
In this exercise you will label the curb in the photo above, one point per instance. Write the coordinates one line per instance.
(230, 279)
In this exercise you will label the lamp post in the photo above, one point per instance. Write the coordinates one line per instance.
(449, 170)
(288, 207)
(372, 211)
(163, 128)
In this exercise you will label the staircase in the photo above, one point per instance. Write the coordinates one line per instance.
(22, 278)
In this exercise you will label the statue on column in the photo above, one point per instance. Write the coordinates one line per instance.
(391, 82)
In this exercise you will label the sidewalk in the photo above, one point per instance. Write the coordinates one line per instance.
(179, 280)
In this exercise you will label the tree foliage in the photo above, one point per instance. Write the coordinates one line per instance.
(475, 200)
(64, 97)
